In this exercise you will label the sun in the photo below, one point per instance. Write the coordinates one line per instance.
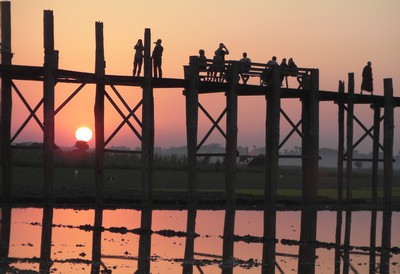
(83, 134)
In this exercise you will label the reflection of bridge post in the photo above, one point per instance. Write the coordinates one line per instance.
(192, 114)
(5, 228)
(307, 237)
(147, 124)
(45, 247)
(228, 242)
(272, 176)
(49, 81)
(144, 242)
(6, 103)
(96, 241)
(231, 132)
(99, 113)
(188, 260)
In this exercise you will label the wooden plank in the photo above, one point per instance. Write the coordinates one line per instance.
(99, 113)
(6, 104)
(49, 81)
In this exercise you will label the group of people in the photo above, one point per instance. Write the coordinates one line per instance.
(156, 56)
(216, 71)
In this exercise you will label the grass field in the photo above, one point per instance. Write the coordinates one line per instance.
(126, 183)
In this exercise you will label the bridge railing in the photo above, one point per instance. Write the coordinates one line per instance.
(260, 71)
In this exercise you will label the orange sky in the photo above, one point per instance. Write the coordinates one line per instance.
(337, 37)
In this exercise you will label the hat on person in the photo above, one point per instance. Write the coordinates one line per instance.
(158, 41)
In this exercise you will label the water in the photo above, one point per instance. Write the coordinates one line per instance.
(203, 241)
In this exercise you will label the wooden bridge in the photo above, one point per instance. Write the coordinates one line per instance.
(196, 83)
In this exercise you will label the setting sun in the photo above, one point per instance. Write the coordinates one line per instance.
(83, 134)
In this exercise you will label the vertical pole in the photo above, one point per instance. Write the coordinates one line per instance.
(231, 133)
(340, 145)
(5, 104)
(145, 242)
(192, 101)
(272, 139)
(49, 81)
(349, 140)
(99, 112)
(349, 172)
(271, 171)
(375, 153)
(96, 240)
(339, 214)
(5, 230)
(388, 129)
(147, 124)
(310, 140)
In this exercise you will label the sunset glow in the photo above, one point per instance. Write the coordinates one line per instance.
(83, 134)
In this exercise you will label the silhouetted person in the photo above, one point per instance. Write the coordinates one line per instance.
(292, 67)
(216, 67)
(138, 58)
(367, 83)
(245, 63)
(284, 69)
(222, 51)
(202, 60)
(157, 59)
(267, 72)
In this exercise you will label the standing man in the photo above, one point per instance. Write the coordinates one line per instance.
(222, 51)
(367, 83)
(157, 59)
(138, 59)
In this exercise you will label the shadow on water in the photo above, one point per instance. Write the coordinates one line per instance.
(53, 240)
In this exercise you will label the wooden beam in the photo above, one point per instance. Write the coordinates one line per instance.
(192, 119)
(99, 113)
(272, 139)
(340, 145)
(5, 104)
(147, 124)
(231, 132)
(349, 138)
(375, 153)
(49, 82)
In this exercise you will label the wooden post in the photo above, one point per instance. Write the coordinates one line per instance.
(388, 130)
(192, 117)
(5, 104)
(231, 133)
(99, 113)
(49, 82)
(375, 153)
(271, 170)
(5, 230)
(310, 140)
(340, 145)
(272, 139)
(96, 240)
(307, 258)
(145, 242)
(147, 124)
(349, 140)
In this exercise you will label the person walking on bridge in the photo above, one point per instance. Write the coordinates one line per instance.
(157, 59)
(367, 83)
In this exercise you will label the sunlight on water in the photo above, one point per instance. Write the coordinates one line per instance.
(125, 240)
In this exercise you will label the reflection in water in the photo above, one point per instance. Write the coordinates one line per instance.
(229, 241)
(45, 247)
